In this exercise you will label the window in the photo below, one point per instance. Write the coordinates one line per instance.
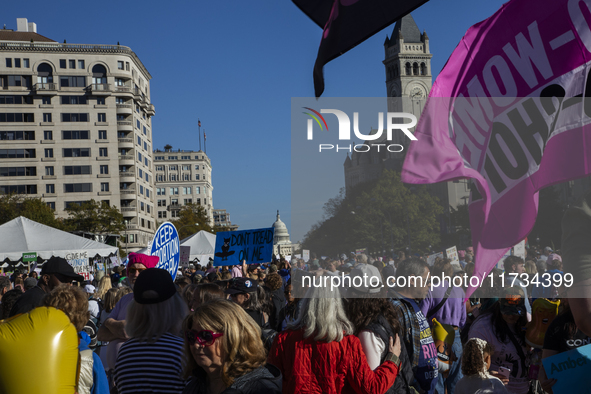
(146, 176)
(119, 65)
(161, 214)
(103, 152)
(174, 214)
(144, 130)
(174, 201)
(104, 186)
(75, 135)
(161, 203)
(139, 156)
(148, 209)
(81, 64)
(198, 201)
(119, 82)
(139, 141)
(137, 123)
(160, 178)
(76, 152)
(8, 62)
(49, 171)
(142, 206)
(50, 189)
(159, 168)
(196, 177)
(101, 117)
(159, 158)
(77, 187)
(172, 168)
(102, 134)
(172, 177)
(62, 63)
(188, 201)
(100, 101)
(140, 172)
(18, 189)
(72, 63)
(104, 169)
(186, 190)
(18, 171)
(17, 63)
(17, 135)
(73, 99)
(186, 167)
(141, 190)
(161, 191)
(145, 145)
(74, 117)
(26, 63)
(19, 80)
(127, 66)
(17, 153)
(72, 82)
(46, 100)
(48, 152)
(147, 191)
(146, 162)
(47, 118)
(197, 190)
(173, 157)
(174, 190)
(17, 117)
(77, 170)
(186, 177)
(16, 99)
(50, 204)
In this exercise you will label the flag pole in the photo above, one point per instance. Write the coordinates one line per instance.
(204, 141)
(199, 125)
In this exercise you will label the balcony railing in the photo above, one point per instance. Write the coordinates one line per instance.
(124, 123)
(128, 209)
(129, 157)
(100, 87)
(45, 86)
(123, 105)
(122, 89)
(126, 173)
(126, 140)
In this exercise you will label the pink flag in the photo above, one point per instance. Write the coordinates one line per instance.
(511, 110)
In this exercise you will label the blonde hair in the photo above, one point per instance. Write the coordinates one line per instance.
(110, 299)
(148, 322)
(322, 315)
(242, 348)
(103, 286)
(73, 301)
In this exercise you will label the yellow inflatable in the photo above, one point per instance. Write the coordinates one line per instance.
(443, 336)
(543, 312)
(38, 353)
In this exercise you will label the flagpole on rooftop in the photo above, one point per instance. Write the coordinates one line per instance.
(199, 125)
(204, 141)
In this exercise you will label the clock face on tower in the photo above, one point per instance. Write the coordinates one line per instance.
(417, 92)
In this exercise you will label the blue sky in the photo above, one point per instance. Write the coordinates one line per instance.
(236, 65)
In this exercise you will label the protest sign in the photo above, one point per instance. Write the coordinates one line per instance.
(452, 254)
(570, 370)
(519, 250)
(166, 245)
(254, 246)
(185, 256)
(115, 261)
(431, 258)
(29, 257)
(79, 261)
(306, 255)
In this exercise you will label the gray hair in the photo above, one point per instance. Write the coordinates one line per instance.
(362, 258)
(322, 314)
(411, 267)
(148, 322)
(4, 283)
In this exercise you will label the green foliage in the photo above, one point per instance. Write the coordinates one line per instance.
(14, 205)
(377, 215)
(192, 219)
(95, 217)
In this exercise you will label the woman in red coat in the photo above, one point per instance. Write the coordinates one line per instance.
(318, 353)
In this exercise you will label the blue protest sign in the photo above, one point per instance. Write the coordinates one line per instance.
(254, 246)
(166, 245)
(570, 370)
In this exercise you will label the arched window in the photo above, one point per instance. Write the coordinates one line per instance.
(415, 69)
(407, 69)
(396, 70)
(44, 74)
(423, 69)
(99, 77)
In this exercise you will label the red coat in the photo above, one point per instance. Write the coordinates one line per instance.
(310, 366)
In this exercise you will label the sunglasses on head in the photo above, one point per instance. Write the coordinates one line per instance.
(203, 337)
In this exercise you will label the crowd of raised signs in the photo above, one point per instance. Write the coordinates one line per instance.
(240, 329)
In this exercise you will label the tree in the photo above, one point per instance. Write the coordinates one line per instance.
(192, 219)
(380, 215)
(14, 205)
(167, 147)
(95, 218)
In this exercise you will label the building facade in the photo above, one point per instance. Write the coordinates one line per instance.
(76, 125)
(182, 177)
(408, 83)
(221, 219)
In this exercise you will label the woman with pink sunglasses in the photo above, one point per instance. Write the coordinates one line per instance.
(225, 352)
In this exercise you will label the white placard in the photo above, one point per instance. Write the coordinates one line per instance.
(306, 254)
(452, 254)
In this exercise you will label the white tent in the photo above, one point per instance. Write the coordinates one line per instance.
(202, 246)
(22, 235)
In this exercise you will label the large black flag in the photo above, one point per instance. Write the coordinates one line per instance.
(347, 23)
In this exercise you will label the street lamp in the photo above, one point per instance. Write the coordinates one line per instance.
(186, 225)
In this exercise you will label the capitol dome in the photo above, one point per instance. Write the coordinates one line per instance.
(281, 233)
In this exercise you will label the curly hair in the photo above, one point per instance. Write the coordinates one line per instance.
(242, 347)
(363, 311)
(473, 359)
(73, 301)
(273, 281)
(8, 300)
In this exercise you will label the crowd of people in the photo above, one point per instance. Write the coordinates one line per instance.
(254, 329)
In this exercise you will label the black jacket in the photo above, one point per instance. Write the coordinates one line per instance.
(30, 300)
(263, 380)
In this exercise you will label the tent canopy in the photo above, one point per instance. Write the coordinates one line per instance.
(22, 235)
(202, 246)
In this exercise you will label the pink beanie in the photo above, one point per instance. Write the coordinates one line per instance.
(144, 259)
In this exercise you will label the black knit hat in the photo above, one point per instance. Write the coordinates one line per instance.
(152, 286)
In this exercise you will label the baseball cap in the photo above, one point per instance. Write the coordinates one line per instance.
(242, 285)
(89, 289)
(548, 249)
(153, 286)
(59, 265)
(512, 301)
